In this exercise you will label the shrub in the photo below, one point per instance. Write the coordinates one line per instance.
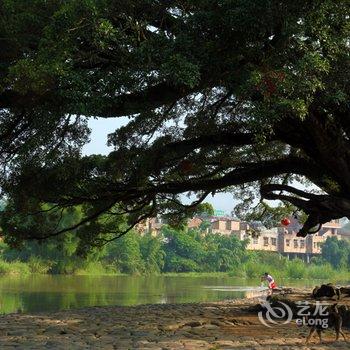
(14, 268)
(38, 265)
(295, 268)
(180, 264)
(255, 269)
(320, 271)
(238, 271)
(97, 268)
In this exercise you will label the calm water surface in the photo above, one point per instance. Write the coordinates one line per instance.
(50, 293)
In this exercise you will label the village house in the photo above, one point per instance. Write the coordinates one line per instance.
(294, 246)
(283, 240)
(224, 225)
(267, 240)
(151, 225)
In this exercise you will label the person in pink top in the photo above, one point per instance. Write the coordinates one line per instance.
(271, 282)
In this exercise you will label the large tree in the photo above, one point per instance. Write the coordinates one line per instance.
(220, 94)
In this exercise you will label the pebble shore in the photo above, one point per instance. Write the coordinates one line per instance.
(211, 326)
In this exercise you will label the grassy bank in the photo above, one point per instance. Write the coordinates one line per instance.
(194, 274)
(36, 266)
(291, 269)
(285, 269)
(98, 269)
(14, 268)
(92, 269)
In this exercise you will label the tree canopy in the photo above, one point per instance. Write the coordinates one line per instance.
(222, 95)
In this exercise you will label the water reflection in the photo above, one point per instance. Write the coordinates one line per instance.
(37, 293)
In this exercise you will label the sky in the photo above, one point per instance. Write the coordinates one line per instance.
(101, 127)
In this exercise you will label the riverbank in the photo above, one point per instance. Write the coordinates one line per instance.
(218, 325)
(190, 253)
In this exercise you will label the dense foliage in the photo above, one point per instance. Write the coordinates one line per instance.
(336, 252)
(220, 93)
(174, 251)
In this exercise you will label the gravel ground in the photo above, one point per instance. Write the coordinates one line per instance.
(221, 325)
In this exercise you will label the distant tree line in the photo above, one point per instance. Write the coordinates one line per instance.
(335, 252)
(172, 251)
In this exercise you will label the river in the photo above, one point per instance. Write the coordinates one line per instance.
(36, 293)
